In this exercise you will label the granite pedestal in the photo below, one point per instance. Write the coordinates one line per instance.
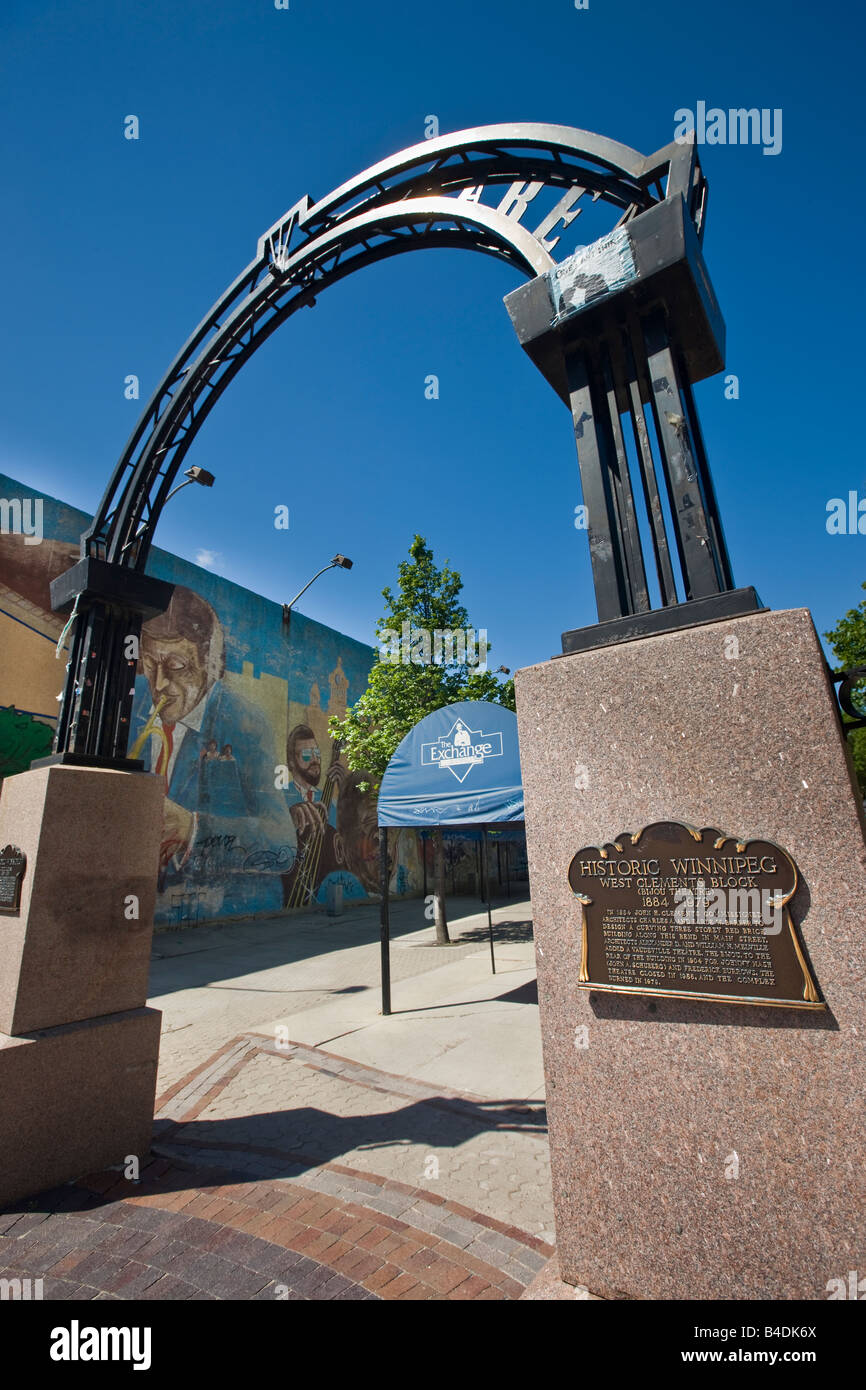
(701, 1150)
(78, 1049)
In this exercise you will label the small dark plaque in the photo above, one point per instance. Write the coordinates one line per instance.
(694, 914)
(12, 866)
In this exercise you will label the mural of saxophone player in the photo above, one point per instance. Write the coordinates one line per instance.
(227, 829)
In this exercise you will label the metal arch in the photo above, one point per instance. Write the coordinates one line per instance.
(555, 141)
(512, 241)
(262, 312)
(847, 681)
(246, 324)
(377, 202)
(425, 196)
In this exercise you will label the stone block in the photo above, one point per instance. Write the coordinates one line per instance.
(76, 950)
(701, 1150)
(76, 1099)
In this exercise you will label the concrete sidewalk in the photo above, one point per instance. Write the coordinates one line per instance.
(453, 1021)
(308, 1148)
(277, 1060)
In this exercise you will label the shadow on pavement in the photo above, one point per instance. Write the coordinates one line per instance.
(307, 1137)
(198, 956)
(503, 933)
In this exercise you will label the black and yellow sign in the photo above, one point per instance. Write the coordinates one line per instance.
(690, 913)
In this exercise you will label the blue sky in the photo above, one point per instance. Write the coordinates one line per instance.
(114, 250)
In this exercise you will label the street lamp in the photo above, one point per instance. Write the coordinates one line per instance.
(192, 475)
(339, 561)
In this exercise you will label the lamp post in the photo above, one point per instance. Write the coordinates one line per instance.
(338, 562)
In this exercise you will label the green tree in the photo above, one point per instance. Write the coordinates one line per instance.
(401, 692)
(848, 640)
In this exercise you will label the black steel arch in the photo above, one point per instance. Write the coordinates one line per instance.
(425, 196)
(398, 205)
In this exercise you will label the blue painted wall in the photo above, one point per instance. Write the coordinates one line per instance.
(260, 814)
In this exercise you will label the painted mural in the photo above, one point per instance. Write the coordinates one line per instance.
(227, 831)
(231, 709)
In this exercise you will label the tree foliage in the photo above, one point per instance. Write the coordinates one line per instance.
(848, 640)
(400, 693)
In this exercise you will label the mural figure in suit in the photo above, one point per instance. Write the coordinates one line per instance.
(313, 812)
(227, 829)
(304, 761)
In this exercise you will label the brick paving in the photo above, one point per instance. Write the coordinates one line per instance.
(285, 1110)
(282, 1171)
(190, 1234)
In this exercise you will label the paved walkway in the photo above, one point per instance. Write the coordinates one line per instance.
(289, 1111)
(318, 977)
(305, 1146)
(191, 1235)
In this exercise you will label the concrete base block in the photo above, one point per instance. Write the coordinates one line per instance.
(75, 1099)
(80, 945)
(701, 1150)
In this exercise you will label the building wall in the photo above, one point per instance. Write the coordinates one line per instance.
(235, 842)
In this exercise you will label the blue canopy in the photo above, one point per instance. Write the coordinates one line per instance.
(458, 766)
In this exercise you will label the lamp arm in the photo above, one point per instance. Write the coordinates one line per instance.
(287, 606)
(144, 525)
(176, 490)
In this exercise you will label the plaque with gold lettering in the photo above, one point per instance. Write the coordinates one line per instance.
(12, 866)
(689, 913)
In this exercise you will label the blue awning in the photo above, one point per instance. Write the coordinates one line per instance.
(458, 766)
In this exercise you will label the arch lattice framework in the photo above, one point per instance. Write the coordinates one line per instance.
(428, 195)
(416, 199)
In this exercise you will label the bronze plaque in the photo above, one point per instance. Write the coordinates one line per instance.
(690, 913)
(12, 866)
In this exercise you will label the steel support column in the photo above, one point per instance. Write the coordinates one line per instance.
(384, 920)
(701, 566)
(596, 461)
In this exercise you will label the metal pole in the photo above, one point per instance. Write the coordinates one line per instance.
(424, 862)
(489, 915)
(508, 869)
(287, 607)
(384, 921)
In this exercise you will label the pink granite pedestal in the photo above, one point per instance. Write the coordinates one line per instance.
(701, 1150)
(76, 1099)
(78, 1049)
